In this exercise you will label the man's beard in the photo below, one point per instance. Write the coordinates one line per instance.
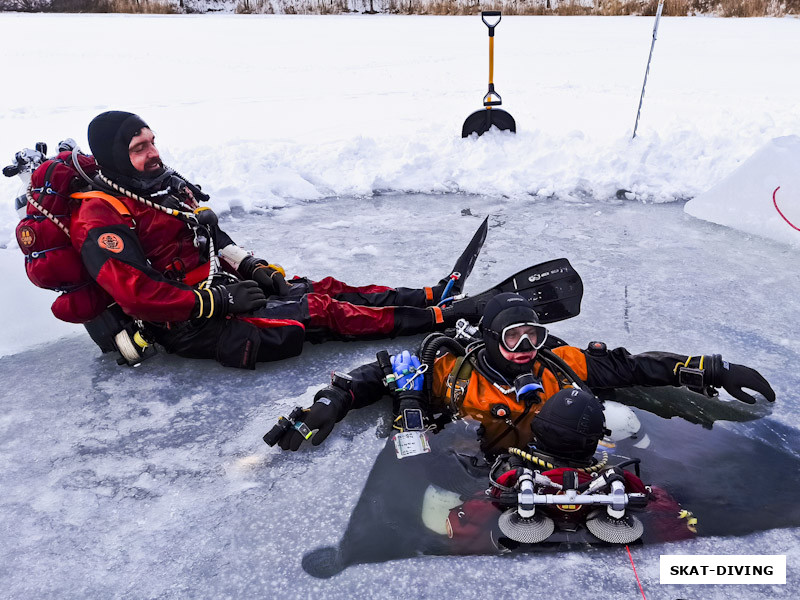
(153, 165)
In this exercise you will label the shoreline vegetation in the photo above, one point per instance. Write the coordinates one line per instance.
(719, 8)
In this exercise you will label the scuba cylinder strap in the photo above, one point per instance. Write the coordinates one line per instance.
(458, 380)
(39, 207)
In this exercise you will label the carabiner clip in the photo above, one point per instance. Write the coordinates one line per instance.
(409, 384)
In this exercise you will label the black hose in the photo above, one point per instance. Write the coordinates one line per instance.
(633, 461)
(428, 350)
(560, 364)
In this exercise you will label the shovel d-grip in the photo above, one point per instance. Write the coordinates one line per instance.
(491, 26)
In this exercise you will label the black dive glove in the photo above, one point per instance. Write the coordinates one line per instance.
(222, 300)
(330, 406)
(269, 278)
(716, 372)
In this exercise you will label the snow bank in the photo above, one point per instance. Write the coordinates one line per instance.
(277, 114)
(752, 198)
(269, 111)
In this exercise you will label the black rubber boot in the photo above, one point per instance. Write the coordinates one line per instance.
(470, 308)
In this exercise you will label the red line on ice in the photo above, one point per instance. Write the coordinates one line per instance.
(775, 202)
(634, 572)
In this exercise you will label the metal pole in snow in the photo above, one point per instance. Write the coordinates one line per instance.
(649, 58)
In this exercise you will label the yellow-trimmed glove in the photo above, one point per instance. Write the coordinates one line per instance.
(222, 300)
(270, 278)
(700, 371)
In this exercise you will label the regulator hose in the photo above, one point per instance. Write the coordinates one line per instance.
(428, 350)
(555, 362)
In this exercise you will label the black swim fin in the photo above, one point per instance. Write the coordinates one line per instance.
(554, 288)
(466, 261)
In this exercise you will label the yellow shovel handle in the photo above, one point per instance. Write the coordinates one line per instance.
(491, 60)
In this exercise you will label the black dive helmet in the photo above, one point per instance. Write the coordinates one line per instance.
(502, 311)
(570, 425)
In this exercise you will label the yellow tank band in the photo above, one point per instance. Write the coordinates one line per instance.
(139, 340)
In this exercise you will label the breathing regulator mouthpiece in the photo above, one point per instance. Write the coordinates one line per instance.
(528, 388)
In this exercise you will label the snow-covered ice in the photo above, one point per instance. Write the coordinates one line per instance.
(762, 196)
(331, 145)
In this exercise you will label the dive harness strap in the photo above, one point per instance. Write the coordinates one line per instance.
(457, 383)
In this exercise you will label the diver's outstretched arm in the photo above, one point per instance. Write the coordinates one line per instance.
(619, 368)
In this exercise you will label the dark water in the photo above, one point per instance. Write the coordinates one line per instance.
(725, 462)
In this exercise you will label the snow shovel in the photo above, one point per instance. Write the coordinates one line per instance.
(482, 120)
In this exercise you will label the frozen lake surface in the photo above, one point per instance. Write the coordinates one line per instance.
(154, 482)
(320, 140)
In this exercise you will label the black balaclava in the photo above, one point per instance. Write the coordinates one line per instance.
(500, 312)
(110, 135)
(569, 425)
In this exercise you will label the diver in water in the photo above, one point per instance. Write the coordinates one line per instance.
(540, 427)
(504, 378)
(557, 491)
(162, 259)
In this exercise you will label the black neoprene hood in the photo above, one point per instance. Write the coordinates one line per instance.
(501, 311)
(570, 424)
(507, 309)
(110, 135)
